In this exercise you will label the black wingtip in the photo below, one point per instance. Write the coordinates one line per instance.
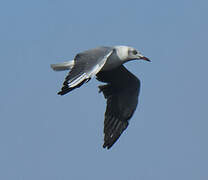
(113, 132)
(108, 146)
(64, 91)
(60, 93)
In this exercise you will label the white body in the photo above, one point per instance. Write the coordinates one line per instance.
(114, 60)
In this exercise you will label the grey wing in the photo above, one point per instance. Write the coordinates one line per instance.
(121, 92)
(86, 66)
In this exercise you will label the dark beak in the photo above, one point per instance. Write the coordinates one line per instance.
(145, 58)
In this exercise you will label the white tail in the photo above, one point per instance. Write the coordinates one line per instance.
(63, 66)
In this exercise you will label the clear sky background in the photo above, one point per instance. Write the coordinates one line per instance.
(44, 136)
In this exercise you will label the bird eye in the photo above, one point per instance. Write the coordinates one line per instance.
(134, 52)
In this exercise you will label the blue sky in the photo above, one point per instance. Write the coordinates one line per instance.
(45, 136)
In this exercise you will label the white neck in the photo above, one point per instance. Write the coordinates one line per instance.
(122, 52)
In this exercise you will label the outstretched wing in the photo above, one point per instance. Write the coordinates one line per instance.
(86, 66)
(121, 92)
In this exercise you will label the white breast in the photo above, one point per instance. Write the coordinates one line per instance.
(122, 52)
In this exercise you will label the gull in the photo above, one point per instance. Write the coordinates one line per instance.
(121, 89)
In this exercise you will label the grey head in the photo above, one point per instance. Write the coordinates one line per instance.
(135, 54)
(126, 53)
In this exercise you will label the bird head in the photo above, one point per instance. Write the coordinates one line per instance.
(135, 54)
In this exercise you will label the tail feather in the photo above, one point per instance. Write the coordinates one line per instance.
(63, 66)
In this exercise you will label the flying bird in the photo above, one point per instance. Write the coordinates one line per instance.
(121, 89)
